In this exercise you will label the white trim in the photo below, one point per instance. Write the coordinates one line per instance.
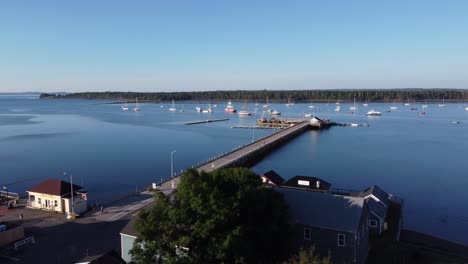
(343, 239)
(375, 199)
(122, 234)
(372, 220)
(381, 221)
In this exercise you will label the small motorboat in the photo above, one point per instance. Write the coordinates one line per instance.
(373, 113)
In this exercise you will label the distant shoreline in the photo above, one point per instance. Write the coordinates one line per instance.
(261, 96)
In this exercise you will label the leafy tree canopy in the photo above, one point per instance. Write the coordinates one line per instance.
(225, 216)
(308, 256)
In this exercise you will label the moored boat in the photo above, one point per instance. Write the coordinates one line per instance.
(230, 108)
(373, 113)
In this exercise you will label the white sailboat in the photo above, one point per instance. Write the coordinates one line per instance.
(407, 103)
(311, 106)
(172, 109)
(466, 108)
(137, 108)
(267, 105)
(338, 108)
(209, 110)
(244, 111)
(424, 105)
(443, 102)
(125, 106)
(393, 107)
(290, 103)
(354, 106)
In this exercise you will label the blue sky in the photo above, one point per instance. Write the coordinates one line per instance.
(218, 45)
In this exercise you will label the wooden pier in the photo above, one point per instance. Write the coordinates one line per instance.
(250, 153)
(246, 155)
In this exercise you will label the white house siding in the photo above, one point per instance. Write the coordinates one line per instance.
(126, 242)
(45, 201)
(81, 205)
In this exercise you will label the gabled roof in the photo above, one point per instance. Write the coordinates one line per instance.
(308, 183)
(129, 229)
(54, 187)
(110, 257)
(324, 210)
(376, 192)
(273, 177)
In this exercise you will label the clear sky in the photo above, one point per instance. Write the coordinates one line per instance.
(216, 45)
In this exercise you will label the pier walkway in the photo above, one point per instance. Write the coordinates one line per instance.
(243, 156)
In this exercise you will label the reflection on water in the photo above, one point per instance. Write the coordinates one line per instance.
(115, 152)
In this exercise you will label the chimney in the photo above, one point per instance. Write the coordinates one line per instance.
(317, 184)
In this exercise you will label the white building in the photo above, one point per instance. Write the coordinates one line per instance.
(55, 195)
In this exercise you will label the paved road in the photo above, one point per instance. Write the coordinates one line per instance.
(59, 240)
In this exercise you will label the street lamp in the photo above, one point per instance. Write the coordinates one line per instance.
(6, 188)
(71, 186)
(172, 163)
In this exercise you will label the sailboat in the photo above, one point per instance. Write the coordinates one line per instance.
(393, 107)
(267, 105)
(198, 108)
(365, 102)
(354, 106)
(289, 102)
(424, 105)
(443, 102)
(244, 111)
(407, 103)
(136, 109)
(172, 109)
(125, 106)
(312, 106)
(209, 110)
(338, 108)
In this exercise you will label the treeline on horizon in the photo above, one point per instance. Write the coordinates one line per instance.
(279, 95)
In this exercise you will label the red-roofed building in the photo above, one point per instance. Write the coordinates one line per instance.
(55, 195)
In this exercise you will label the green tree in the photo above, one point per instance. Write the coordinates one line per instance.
(308, 257)
(225, 216)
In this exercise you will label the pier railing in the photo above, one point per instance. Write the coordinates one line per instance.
(217, 157)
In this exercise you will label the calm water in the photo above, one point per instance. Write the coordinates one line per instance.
(114, 153)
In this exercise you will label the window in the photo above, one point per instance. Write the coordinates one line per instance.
(341, 240)
(39, 200)
(307, 234)
(372, 223)
(55, 203)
